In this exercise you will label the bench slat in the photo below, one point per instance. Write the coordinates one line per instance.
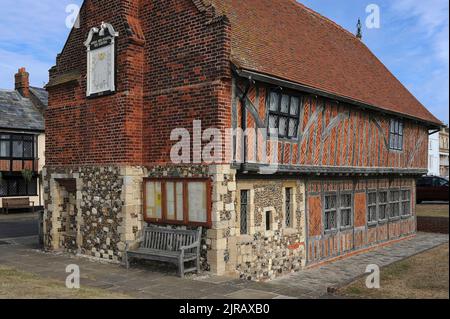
(164, 244)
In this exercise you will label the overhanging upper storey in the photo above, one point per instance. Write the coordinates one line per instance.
(295, 130)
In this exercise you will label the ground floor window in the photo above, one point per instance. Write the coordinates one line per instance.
(372, 206)
(17, 186)
(406, 202)
(330, 212)
(178, 201)
(382, 205)
(345, 210)
(394, 202)
(288, 206)
(244, 211)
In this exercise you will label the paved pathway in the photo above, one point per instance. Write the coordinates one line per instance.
(157, 282)
(315, 281)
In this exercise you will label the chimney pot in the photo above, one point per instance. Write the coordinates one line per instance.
(22, 82)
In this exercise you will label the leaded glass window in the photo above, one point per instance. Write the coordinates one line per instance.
(394, 204)
(245, 194)
(346, 210)
(406, 202)
(284, 113)
(372, 206)
(396, 135)
(288, 207)
(382, 205)
(330, 212)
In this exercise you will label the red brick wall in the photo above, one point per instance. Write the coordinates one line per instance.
(100, 130)
(171, 68)
(188, 73)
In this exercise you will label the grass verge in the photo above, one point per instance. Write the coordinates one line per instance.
(423, 276)
(432, 210)
(16, 284)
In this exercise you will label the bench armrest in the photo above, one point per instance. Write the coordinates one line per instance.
(194, 245)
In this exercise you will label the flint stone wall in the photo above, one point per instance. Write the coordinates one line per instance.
(107, 208)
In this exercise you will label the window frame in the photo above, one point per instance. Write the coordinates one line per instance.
(325, 211)
(391, 203)
(340, 208)
(247, 212)
(291, 207)
(14, 137)
(164, 220)
(278, 113)
(385, 204)
(402, 201)
(396, 131)
(369, 205)
(7, 179)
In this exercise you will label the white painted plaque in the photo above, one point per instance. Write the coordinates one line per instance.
(101, 60)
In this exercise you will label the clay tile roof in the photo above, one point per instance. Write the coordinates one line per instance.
(287, 40)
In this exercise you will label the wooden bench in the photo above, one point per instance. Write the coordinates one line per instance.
(168, 245)
(13, 203)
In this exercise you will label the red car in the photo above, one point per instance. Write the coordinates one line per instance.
(432, 188)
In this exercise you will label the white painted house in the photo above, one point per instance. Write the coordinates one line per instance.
(433, 154)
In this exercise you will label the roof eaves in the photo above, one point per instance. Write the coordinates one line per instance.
(309, 89)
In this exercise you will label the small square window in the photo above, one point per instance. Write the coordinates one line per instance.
(284, 112)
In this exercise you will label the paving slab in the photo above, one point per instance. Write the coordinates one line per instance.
(156, 282)
(341, 272)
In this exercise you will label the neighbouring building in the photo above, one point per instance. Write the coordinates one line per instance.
(22, 140)
(433, 154)
(334, 175)
(443, 152)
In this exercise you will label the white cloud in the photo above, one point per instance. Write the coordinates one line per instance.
(431, 19)
(31, 35)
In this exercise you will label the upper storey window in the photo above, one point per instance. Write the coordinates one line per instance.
(101, 53)
(396, 135)
(284, 114)
(17, 146)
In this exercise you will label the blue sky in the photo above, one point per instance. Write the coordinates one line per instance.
(412, 40)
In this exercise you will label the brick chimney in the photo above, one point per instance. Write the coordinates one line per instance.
(22, 82)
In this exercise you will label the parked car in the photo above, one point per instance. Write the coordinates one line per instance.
(432, 188)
